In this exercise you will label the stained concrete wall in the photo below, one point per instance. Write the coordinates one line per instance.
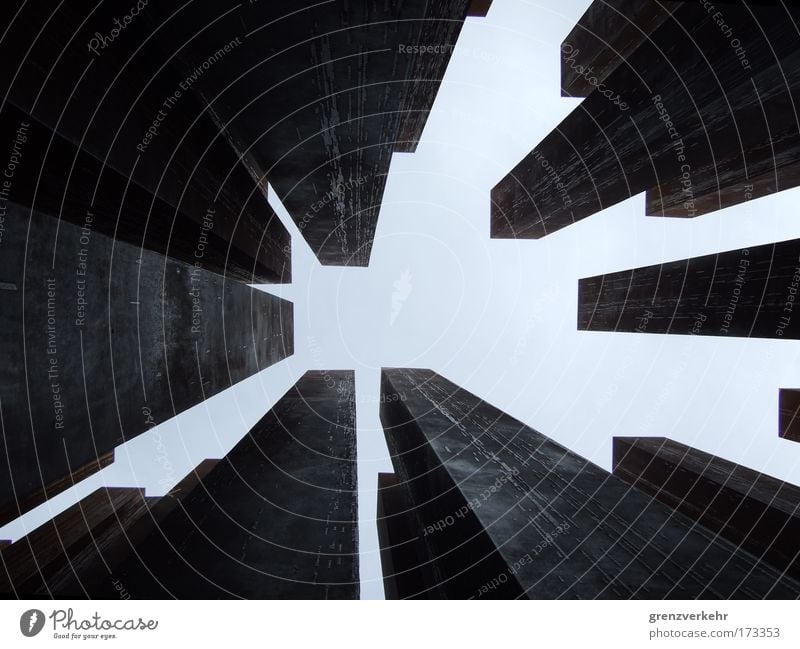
(99, 518)
(316, 97)
(103, 340)
(698, 113)
(603, 39)
(85, 544)
(275, 519)
(750, 292)
(408, 569)
(114, 100)
(755, 511)
(507, 512)
(789, 414)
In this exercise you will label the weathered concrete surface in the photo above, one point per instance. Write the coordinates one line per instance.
(83, 546)
(55, 177)
(603, 39)
(315, 97)
(277, 518)
(700, 116)
(749, 292)
(479, 8)
(55, 545)
(123, 107)
(754, 511)
(408, 571)
(789, 414)
(61, 483)
(102, 340)
(507, 512)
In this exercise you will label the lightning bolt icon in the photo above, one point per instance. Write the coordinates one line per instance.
(32, 621)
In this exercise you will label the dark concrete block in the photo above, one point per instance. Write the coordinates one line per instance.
(748, 293)
(18, 507)
(103, 340)
(479, 8)
(603, 39)
(754, 511)
(440, 28)
(315, 97)
(55, 177)
(165, 505)
(696, 113)
(408, 569)
(789, 414)
(666, 199)
(98, 519)
(277, 518)
(121, 105)
(509, 513)
(84, 545)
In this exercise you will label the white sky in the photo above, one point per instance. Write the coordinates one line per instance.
(499, 317)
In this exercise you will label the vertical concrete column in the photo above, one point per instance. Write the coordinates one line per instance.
(506, 512)
(276, 518)
(104, 340)
(684, 101)
(755, 511)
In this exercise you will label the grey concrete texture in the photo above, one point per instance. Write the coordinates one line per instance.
(505, 512)
(115, 108)
(408, 571)
(315, 97)
(104, 340)
(696, 113)
(748, 293)
(754, 511)
(277, 518)
(85, 544)
(789, 414)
